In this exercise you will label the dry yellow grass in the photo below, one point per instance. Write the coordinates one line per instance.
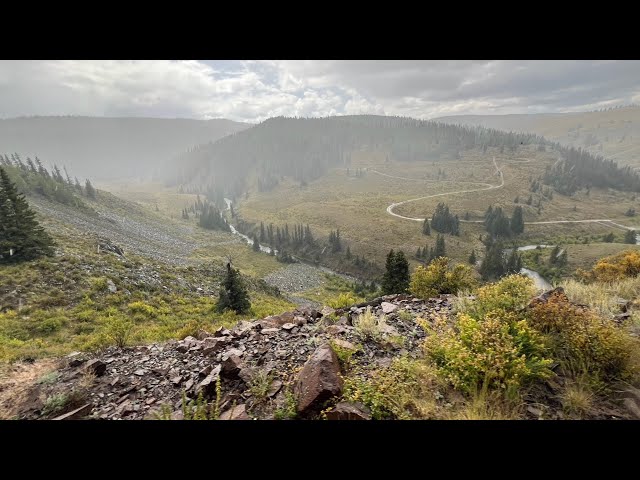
(603, 297)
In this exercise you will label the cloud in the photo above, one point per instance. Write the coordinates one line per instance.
(255, 90)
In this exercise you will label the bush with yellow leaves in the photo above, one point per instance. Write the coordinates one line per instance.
(512, 293)
(613, 268)
(437, 278)
(582, 341)
(497, 352)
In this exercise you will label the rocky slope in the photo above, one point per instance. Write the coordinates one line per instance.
(291, 365)
(260, 366)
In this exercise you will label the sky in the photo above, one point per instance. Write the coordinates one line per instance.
(252, 91)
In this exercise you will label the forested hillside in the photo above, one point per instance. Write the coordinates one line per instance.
(109, 148)
(305, 148)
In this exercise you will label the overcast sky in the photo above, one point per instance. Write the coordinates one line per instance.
(255, 90)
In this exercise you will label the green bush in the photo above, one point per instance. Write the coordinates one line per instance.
(403, 390)
(343, 300)
(437, 278)
(498, 352)
(512, 293)
(118, 330)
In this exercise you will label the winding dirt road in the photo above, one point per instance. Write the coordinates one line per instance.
(486, 186)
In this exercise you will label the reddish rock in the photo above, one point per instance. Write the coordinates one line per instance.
(318, 381)
(231, 366)
(238, 412)
(349, 411)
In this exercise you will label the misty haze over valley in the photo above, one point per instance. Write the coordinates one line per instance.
(319, 239)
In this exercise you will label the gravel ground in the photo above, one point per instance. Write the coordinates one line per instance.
(296, 277)
(162, 242)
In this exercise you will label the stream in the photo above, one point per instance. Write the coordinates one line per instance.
(266, 249)
(539, 281)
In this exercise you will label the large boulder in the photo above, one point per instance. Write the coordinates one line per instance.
(318, 381)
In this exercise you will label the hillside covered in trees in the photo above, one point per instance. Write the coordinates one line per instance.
(304, 149)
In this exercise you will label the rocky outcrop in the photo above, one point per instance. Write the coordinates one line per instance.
(318, 381)
(258, 367)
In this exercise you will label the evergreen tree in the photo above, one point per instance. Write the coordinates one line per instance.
(517, 221)
(348, 253)
(256, 244)
(396, 276)
(89, 190)
(493, 264)
(440, 250)
(630, 237)
(426, 229)
(233, 293)
(472, 258)
(263, 236)
(21, 236)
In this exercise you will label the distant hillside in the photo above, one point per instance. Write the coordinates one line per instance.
(109, 148)
(614, 134)
(305, 148)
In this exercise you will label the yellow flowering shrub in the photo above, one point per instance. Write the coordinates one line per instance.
(496, 352)
(511, 293)
(437, 278)
(583, 341)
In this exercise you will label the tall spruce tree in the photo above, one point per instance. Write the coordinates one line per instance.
(89, 190)
(396, 276)
(21, 236)
(426, 229)
(233, 293)
(630, 237)
(517, 221)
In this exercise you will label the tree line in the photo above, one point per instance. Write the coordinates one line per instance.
(31, 176)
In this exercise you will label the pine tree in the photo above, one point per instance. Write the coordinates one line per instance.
(89, 190)
(426, 229)
(419, 253)
(21, 236)
(472, 258)
(517, 221)
(440, 249)
(630, 237)
(348, 253)
(233, 293)
(396, 276)
(256, 244)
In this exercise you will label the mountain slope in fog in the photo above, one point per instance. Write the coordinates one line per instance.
(109, 148)
(614, 133)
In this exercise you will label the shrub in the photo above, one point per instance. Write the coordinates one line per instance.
(403, 390)
(583, 342)
(498, 352)
(142, 308)
(511, 293)
(288, 411)
(370, 327)
(342, 300)
(438, 278)
(613, 268)
(344, 354)
(118, 330)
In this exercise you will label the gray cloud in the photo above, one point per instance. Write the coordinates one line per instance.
(255, 90)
